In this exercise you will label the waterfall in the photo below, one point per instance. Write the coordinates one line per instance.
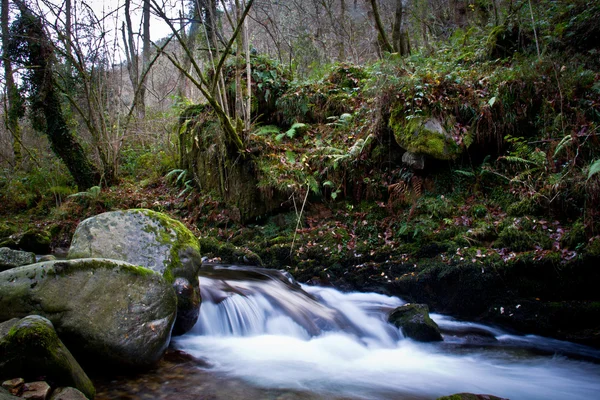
(262, 326)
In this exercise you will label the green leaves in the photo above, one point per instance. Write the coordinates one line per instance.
(594, 169)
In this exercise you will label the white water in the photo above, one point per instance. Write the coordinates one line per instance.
(274, 335)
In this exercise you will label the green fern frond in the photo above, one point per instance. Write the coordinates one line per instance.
(562, 144)
(267, 129)
(594, 169)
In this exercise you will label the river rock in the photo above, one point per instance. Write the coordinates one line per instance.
(31, 349)
(152, 240)
(36, 391)
(5, 395)
(14, 385)
(415, 322)
(67, 393)
(470, 396)
(107, 311)
(14, 258)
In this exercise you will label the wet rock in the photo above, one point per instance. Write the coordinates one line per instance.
(14, 385)
(107, 311)
(36, 391)
(415, 322)
(48, 257)
(14, 258)
(471, 396)
(152, 240)
(5, 395)
(67, 393)
(31, 349)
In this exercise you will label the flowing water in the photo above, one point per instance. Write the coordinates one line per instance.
(263, 328)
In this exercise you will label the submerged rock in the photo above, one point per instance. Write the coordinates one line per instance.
(470, 396)
(31, 348)
(36, 391)
(14, 385)
(14, 258)
(5, 395)
(152, 240)
(67, 393)
(107, 311)
(415, 322)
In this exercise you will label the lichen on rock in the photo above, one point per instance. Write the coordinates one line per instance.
(104, 310)
(152, 240)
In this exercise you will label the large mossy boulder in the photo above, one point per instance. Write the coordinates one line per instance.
(14, 258)
(105, 311)
(415, 322)
(426, 136)
(30, 348)
(152, 240)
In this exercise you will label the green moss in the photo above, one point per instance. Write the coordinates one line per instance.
(576, 236)
(173, 234)
(62, 268)
(228, 253)
(413, 135)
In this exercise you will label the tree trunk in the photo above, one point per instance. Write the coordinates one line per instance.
(385, 43)
(13, 109)
(39, 53)
(133, 66)
(400, 37)
(145, 56)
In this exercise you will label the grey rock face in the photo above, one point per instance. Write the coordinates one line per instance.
(106, 310)
(14, 258)
(152, 240)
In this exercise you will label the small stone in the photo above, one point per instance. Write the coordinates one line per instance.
(67, 393)
(36, 391)
(14, 386)
(415, 161)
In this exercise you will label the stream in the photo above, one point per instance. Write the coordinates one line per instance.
(262, 335)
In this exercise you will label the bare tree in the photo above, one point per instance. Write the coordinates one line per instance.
(400, 38)
(12, 109)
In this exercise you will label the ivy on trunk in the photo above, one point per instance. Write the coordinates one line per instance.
(34, 50)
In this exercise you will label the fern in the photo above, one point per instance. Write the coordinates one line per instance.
(463, 172)
(91, 193)
(562, 144)
(594, 169)
(518, 160)
(263, 130)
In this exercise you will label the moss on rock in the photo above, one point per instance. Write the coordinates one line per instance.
(149, 239)
(107, 311)
(415, 322)
(31, 348)
(421, 135)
